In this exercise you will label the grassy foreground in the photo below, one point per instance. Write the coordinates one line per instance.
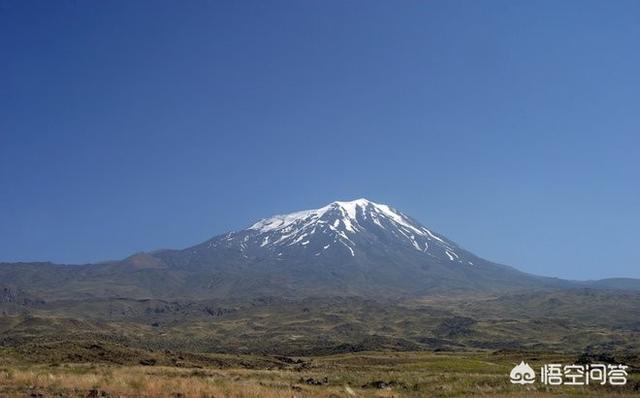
(372, 374)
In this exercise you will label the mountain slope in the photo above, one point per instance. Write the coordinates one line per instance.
(345, 248)
(357, 247)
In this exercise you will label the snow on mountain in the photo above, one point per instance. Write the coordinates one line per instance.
(349, 248)
(352, 228)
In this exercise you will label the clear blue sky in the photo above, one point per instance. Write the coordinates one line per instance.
(512, 127)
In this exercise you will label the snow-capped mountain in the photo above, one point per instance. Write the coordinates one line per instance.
(344, 248)
(340, 228)
(351, 247)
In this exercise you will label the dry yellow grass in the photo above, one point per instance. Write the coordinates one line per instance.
(157, 382)
(411, 375)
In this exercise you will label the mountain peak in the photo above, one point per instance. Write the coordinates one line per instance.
(355, 202)
(349, 209)
(352, 226)
(344, 247)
